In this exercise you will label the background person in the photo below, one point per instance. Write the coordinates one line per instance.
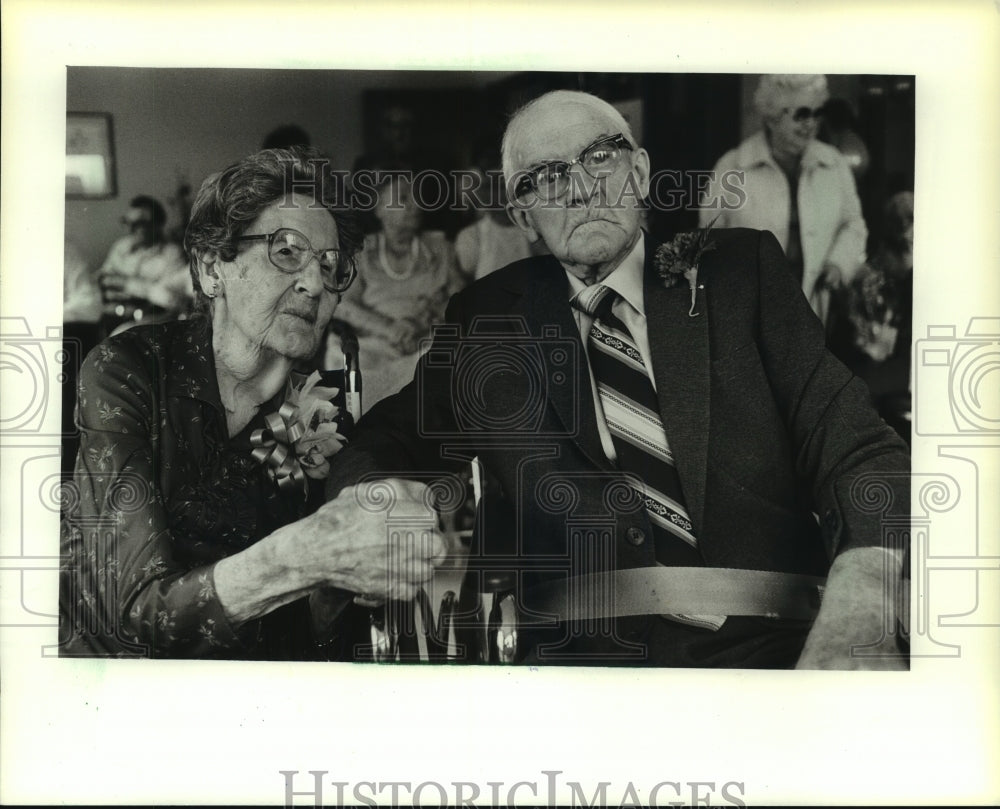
(286, 136)
(81, 295)
(405, 277)
(492, 241)
(144, 275)
(798, 188)
(875, 333)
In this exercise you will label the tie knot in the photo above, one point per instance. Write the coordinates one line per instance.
(594, 299)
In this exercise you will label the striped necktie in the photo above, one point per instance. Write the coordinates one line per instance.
(631, 412)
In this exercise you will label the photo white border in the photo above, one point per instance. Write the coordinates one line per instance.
(183, 732)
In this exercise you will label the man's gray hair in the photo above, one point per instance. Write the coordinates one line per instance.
(515, 126)
(773, 90)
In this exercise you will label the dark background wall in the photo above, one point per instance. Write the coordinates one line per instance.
(174, 126)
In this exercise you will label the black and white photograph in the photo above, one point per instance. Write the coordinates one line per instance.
(695, 510)
(418, 430)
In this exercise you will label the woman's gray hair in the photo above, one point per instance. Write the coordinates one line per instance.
(773, 90)
(229, 201)
(515, 125)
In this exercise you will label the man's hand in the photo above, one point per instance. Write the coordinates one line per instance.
(854, 627)
(117, 287)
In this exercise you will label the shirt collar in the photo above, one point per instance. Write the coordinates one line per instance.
(755, 151)
(625, 279)
(816, 155)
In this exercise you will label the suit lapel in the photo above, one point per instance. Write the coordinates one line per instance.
(679, 347)
(544, 303)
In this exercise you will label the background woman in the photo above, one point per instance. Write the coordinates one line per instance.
(798, 188)
(405, 277)
(493, 240)
(198, 530)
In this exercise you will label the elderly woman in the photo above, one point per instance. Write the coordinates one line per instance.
(798, 188)
(405, 277)
(197, 529)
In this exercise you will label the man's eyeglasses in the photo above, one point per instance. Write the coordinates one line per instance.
(549, 181)
(800, 114)
(290, 252)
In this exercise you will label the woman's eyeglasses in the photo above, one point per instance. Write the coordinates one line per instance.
(800, 114)
(290, 252)
(549, 181)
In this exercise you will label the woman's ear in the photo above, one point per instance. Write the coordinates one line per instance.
(207, 263)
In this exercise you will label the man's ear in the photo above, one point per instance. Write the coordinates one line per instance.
(519, 216)
(641, 171)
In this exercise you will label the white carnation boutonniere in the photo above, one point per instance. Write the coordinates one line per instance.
(317, 414)
(302, 436)
(678, 259)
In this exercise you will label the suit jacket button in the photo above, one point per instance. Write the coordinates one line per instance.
(635, 536)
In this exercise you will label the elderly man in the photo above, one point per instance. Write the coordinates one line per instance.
(144, 274)
(673, 463)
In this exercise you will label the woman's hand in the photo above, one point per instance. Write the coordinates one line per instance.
(831, 276)
(379, 540)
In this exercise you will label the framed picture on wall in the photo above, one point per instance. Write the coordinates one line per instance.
(90, 156)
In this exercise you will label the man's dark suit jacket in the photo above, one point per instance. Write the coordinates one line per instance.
(769, 433)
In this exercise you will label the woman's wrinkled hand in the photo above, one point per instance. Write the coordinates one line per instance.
(356, 547)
